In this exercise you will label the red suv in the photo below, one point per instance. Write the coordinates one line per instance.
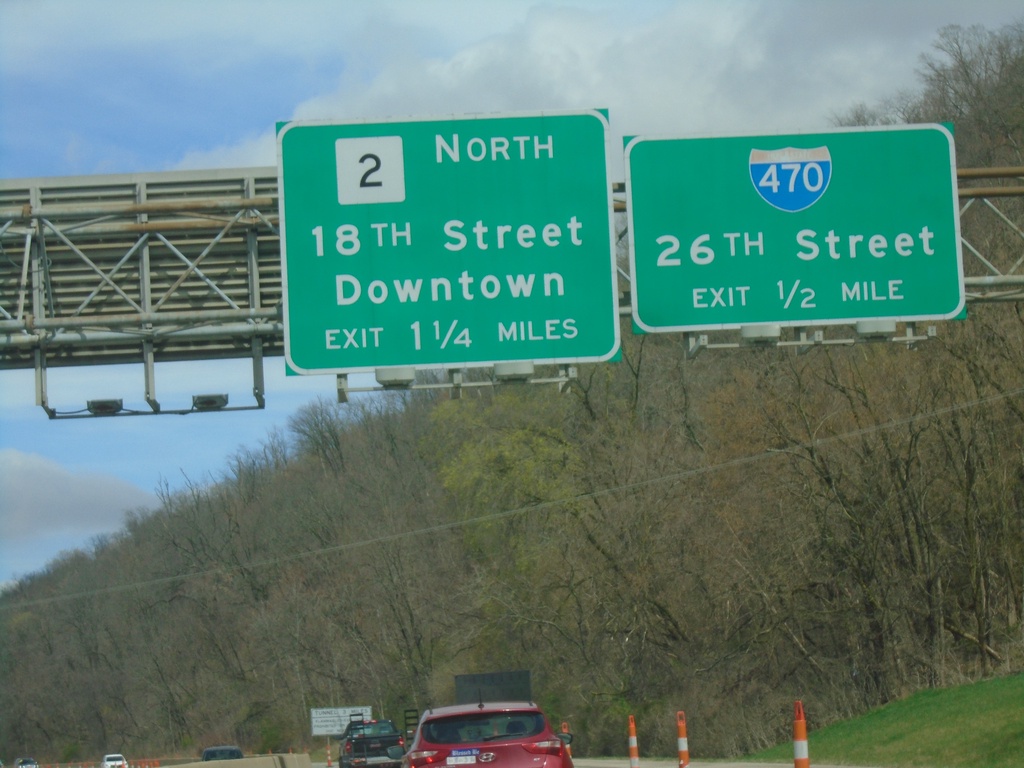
(503, 735)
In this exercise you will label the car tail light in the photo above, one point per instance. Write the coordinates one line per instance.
(401, 741)
(348, 747)
(425, 757)
(547, 747)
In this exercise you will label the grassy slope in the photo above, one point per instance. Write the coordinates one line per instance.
(975, 726)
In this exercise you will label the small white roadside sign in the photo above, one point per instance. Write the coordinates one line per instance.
(332, 721)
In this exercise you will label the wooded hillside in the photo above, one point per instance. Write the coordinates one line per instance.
(722, 534)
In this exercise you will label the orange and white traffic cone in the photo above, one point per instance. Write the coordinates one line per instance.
(634, 752)
(684, 745)
(328, 753)
(801, 759)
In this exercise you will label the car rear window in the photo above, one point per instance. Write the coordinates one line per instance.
(386, 728)
(222, 753)
(494, 726)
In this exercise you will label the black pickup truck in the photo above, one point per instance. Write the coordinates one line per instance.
(371, 744)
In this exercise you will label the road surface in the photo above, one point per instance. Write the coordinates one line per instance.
(623, 762)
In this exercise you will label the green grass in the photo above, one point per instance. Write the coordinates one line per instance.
(970, 726)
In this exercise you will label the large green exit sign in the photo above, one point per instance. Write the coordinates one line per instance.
(447, 242)
(798, 229)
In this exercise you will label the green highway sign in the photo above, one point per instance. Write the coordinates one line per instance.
(796, 229)
(460, 241)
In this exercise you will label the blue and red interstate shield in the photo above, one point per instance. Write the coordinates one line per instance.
(791, 179)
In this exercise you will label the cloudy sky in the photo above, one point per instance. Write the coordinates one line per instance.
(120, 86)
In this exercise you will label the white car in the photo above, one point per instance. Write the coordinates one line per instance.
(114, 761)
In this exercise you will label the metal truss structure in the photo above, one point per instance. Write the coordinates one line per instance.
(992, 235)
(144, 268)
(176, 266)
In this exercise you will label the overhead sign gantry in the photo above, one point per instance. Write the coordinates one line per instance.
(185, 265)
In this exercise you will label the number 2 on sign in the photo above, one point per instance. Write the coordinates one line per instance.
(365, 181)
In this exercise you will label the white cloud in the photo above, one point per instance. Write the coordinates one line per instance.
(693, 68)
(41, 496)
(216, 36)
(46, 509)
(250, 152)
(671, 68)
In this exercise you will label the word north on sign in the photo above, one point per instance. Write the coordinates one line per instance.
(795, 230)
(461, 241)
